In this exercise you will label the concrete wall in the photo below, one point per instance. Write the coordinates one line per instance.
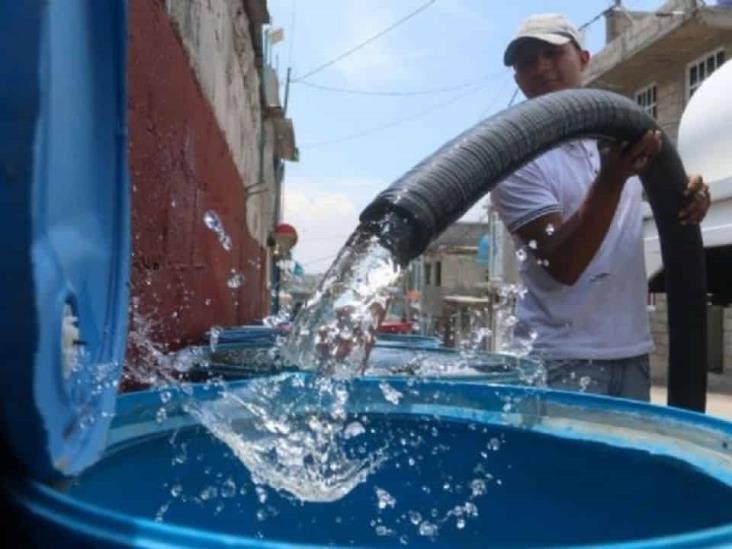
(185, 161)
(461, 275)
(219, 44)
(658, 316)
(657, 51)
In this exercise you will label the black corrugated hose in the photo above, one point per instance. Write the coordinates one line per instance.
(416, 208)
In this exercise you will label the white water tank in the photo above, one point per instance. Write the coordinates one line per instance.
(705, 131)
(705, 145)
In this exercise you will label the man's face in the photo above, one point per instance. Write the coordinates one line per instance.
(541, 67)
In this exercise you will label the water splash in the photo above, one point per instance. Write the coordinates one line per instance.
(290, 434)
(294, 433)
(214, 332)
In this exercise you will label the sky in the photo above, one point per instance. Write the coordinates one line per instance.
(353, 145)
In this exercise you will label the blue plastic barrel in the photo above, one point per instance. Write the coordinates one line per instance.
(64, 216)
(248, 351)
(482, 466)
(465, 463)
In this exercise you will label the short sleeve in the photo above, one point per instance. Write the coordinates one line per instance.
(524, 196)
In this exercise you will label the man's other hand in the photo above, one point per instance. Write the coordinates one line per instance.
(697, 193)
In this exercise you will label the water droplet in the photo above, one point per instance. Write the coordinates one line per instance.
(385, 499)
(477, 488)
(176, 490)
(460, 523)
(161, 415)
(521, 255)
(208, 302)
(209, 492)
(160, 515)
(549, 229)
(532, 244)
(228, 488)
(354, 429)
(382, 530)
(585, 382)
(428, 529)
(165, 396)
(213, 222)
(213, 337)
(261, 494)
(235, 280)
(261, 515)
(414, 517)
(494, 444)
(390, 394)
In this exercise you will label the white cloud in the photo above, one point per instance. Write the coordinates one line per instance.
(318, 208)
(325, 211)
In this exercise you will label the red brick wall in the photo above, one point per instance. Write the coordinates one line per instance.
(181, 167)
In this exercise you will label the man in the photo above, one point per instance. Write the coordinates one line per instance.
(576, 211)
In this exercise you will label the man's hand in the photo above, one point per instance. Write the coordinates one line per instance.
(698, 201)
(619, 161)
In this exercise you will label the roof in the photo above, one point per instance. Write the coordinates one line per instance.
(679, 20)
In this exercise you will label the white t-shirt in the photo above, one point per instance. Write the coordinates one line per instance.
(603, 315)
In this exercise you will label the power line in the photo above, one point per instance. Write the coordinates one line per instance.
(398, 93)
(491, 104)
(396, 122)
(367, 41)
(513, 97)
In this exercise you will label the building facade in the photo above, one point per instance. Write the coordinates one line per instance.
(660, 59)
(208, 138)
(448, 280)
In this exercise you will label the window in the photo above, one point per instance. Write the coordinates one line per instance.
(427, 274)
(646, 98)
(438, 273)
(699, 70)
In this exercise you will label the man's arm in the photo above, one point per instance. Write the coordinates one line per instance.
(569, 245)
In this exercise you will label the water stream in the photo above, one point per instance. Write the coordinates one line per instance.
(335, 331)
(294, 433)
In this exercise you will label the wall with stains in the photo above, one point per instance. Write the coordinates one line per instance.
(182, 165)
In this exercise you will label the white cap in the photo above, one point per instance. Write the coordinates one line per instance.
(547, 27)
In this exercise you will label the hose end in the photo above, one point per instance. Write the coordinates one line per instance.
(398, 234)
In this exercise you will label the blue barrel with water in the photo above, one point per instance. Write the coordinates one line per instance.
(466, 465)
(247, 351)
(447, 463)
